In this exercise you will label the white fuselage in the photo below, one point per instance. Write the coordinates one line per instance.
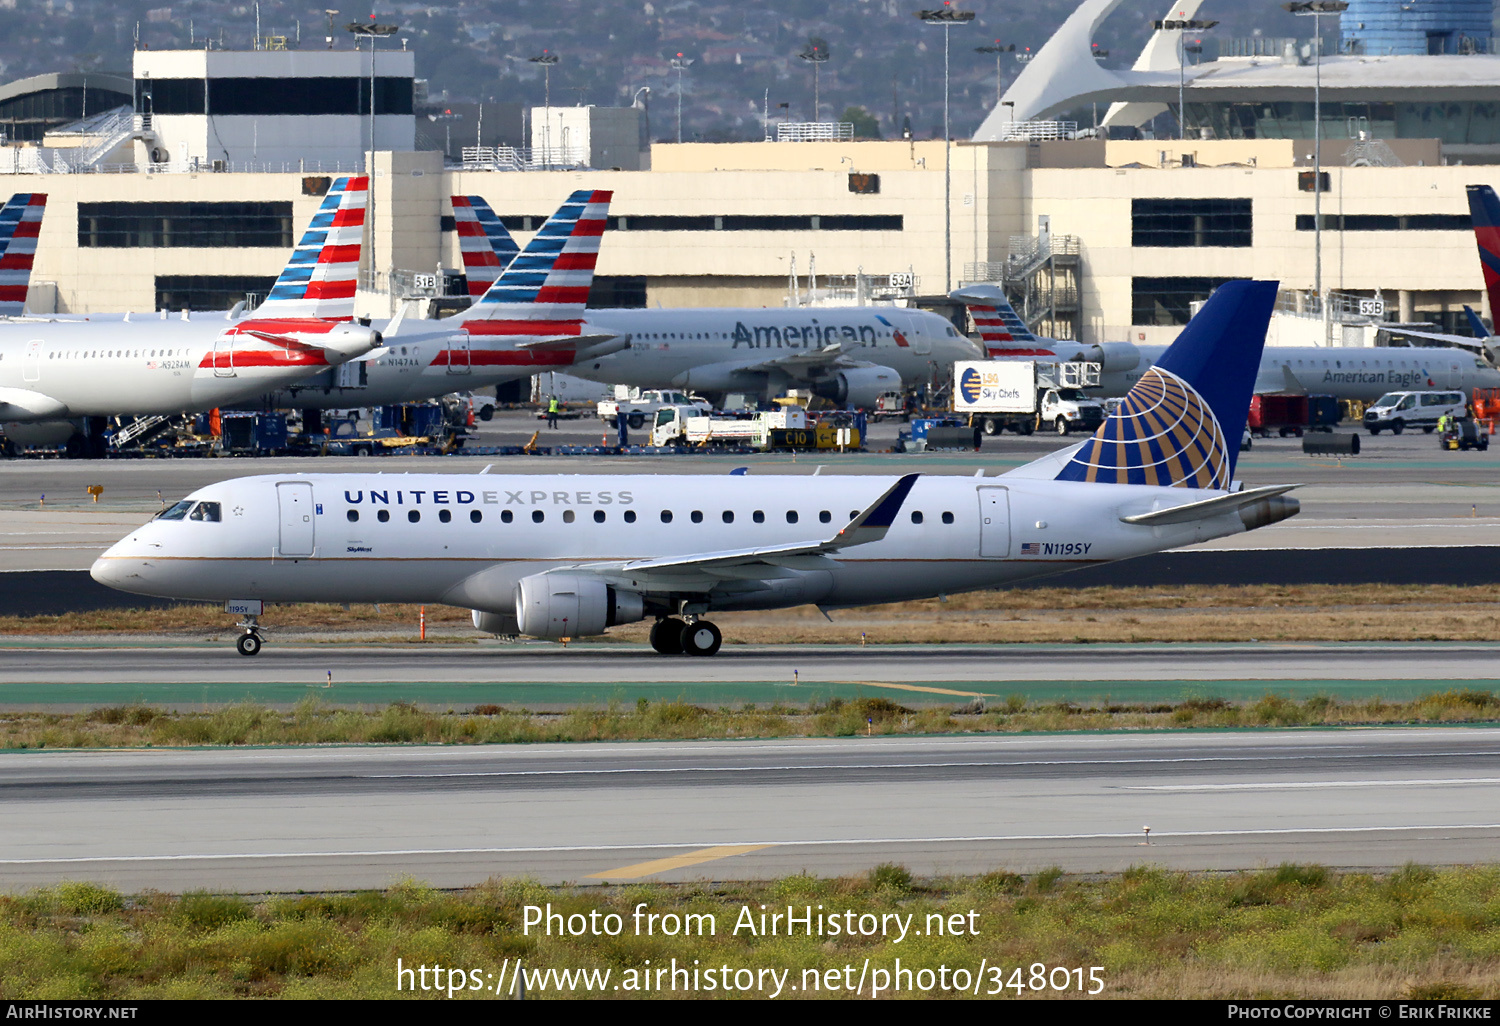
(732, 350)
(426, 359)
(320, 537)
(57, 370)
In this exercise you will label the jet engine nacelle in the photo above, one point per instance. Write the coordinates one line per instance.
(494, 623)
(572, 606)
(1114, 356)
(349, 340)
(858, 386)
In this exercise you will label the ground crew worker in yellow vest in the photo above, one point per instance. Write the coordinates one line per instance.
(553, 409)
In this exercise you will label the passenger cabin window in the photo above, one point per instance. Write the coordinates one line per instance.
(697, 516)
(412, 516)
(537, 516)
(598, 516)
(728, 516)
(475, 516)
(568, 516)
(176, 511)
(445, 515)
(506, 516)
(630, 516)
(916, 516)
(353, 516)
(759, 516)
(383, 515)
(825, 517)
(947, 518)
(791, 516)
(666, 516)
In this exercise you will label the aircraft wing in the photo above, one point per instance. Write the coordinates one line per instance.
(18, 403)
(1460, 341)
(702, 570)
(798, 360)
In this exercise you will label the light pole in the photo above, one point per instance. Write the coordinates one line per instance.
(947, 16)
(1182, 25)
(374, 32)
(330, 12)
(546, 59)
(680, 64)
(997, 50)
(1316, 9)
(817, 56)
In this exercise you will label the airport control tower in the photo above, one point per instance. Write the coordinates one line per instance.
(1380, 27)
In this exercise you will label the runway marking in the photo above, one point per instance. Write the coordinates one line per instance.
(1301, 784)
(1132, 836)
(914, 687)
(692, 858)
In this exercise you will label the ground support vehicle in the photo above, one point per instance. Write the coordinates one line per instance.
(244, 433)
(1024, 395)
(786, 428)
(1401, 410)
(1464, 434)
(1283, 414)
(891, 406)
(949, 432)
(640, 405)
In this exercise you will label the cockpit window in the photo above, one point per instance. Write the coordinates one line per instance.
(176, 512)
(206, 511)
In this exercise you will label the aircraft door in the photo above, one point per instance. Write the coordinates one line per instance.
(459, 358)
(224, 355)
(31, 362)
(994, 522)
(916, 334)
(295, 500)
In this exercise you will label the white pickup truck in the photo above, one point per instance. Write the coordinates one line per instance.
(638, 406)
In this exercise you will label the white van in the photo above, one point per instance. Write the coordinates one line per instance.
(1401, 410)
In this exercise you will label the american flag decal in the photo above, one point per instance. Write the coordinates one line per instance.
(1031, 549)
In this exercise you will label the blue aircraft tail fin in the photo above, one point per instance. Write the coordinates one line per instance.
(1181, 423)
(1475, 324)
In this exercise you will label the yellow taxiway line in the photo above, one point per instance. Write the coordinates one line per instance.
(692, 858)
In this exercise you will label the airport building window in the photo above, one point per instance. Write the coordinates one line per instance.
(666, 516)
(174, 225)
(475, 516)
(209, 291)
(947, 518)
(506, 516)
(916, 516)
(537, 516)
(611, 292)
(730, 222)
(445, 515)
(383, 515)
(598, 516)
(1387, 222)
(758, 516)
(825, 517)
(568, 517)
(791, 516)
(630, 516)
(697, 516)
(273, 96)
(412, 516)
(1168, 301)
(353, 516)
(1190, 222)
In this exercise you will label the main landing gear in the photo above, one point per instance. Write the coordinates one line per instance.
(249, 642)
(671, 636)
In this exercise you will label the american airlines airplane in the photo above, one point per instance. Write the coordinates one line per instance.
(846, 355)
(1362, 373)
(526, 319)
(559, 556)
(52, 372)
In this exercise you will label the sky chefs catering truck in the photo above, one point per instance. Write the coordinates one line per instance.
(1024, 395)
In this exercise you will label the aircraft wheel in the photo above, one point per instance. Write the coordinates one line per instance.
(248, 644)
(666, 636)
(701, 638)
(635, 421)
(1061, 425)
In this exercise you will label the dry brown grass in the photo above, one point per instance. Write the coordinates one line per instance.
(1188, 613)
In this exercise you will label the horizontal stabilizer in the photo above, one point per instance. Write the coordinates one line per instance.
(1206, 508)
(564, 342)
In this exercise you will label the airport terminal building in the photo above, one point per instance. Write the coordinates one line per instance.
(189, 196)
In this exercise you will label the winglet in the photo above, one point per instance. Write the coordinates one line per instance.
(873, 523)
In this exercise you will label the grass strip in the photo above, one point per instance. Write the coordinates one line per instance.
(1284, 932)
(313, 721)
